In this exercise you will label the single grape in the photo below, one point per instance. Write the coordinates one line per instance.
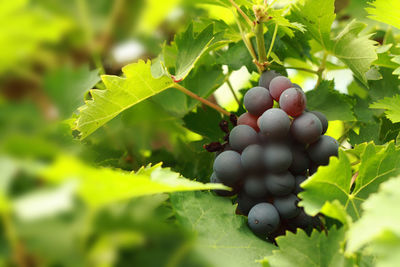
(280, 184)
(245, 203)
(242, 136)
(252, 158)
(300, 162)
(287, 206)
(297, 86)
(228, 167)
(306, 128)
(278, 85)
(277, 157)
(299, 179)
(263, 219)
(223, 193)
(302, 220)
(274, 123)
(248, 119)
(293, 101)
(257, 100)
(322, 118)
(313, 168)
(266, 78)
(255, 187)
(323, 149)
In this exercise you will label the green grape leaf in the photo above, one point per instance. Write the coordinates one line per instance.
(204, 122)
(386, 87)
(334, 105)
(391, 105)
(223, 238)
(386, 11)
(101, 186)
(380, 216)
(190, 48)
(319, 249)
(121, 94)
(317, 17)
(67, 86)
(333, 182)
(355, 50)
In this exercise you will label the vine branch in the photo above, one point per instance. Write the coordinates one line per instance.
(272, 41)
(202, 100)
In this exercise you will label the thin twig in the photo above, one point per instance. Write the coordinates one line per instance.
(272, 41)
(232, 91)
(246, 18)
(303, 69)
(202, 100)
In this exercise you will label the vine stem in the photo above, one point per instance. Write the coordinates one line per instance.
(246, 18)
(303, 69)
(272, 41)
(248, 44)
(259, 32)
(202, 100)
(232, 91)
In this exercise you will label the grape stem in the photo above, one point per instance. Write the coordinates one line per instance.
(246, 18)
(202, 100)
(259, 32)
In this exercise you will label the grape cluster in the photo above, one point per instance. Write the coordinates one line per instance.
(270, 152)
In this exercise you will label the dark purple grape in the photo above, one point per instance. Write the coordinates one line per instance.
(228, 167)
(248, 119)
(302, 220)
(257, 100)
(293, 101)
(245, 203)
(274, 123)
(263, 219)
(278, 85)
(277, 157)
(280, 184)
(252, 158)
(242, 136)
(266, 78)
(223, 193)
(254, 187)
(287, 206)
(306, 128)
(320, 151)
(300, 162)
(299, 179)
(322, 118)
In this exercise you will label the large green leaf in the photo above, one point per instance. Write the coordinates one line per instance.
(380, 216)
(334, 105)
(318, 17)
(378, 229)
(386, 11)
(121, 93)
(355, 50)
(391, 105)
(100, 186)
(67, 87)
(190, 48)
(223, 238)
(318, 249)
(205, 122)
(333, 182)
